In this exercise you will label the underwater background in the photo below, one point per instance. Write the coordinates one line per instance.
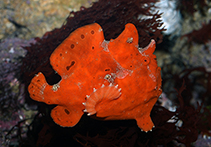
(31, 30)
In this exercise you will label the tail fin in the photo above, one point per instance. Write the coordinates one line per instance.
(37, 86)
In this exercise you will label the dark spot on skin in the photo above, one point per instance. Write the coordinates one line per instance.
(56, 65)
(66, 111)
(131, 66)
(60, 54)
(92, 32)
(72, 63)
(93, 77)
(93, 47)
(145, 60)
(137, 54)
(33, 94)
(107, 69)
(82, 36)
(38, 80)
(72, 46)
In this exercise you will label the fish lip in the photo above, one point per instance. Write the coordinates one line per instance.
(158, 72)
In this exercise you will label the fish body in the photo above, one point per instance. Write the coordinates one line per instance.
(113, 80)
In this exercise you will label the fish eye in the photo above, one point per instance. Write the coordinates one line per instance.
(146, 60)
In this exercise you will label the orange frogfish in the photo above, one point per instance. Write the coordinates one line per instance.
(112, 80)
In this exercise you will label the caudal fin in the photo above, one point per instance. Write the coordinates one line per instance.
(37, 86)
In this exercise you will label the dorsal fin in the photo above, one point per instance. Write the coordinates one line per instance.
(150, 48)
(78, 45)
(125, 47)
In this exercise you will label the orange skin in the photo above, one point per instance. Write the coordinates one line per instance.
(85, 61)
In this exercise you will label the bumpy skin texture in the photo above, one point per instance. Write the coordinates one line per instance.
(111, 79)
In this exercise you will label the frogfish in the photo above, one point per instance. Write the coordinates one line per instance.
(108, 79)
